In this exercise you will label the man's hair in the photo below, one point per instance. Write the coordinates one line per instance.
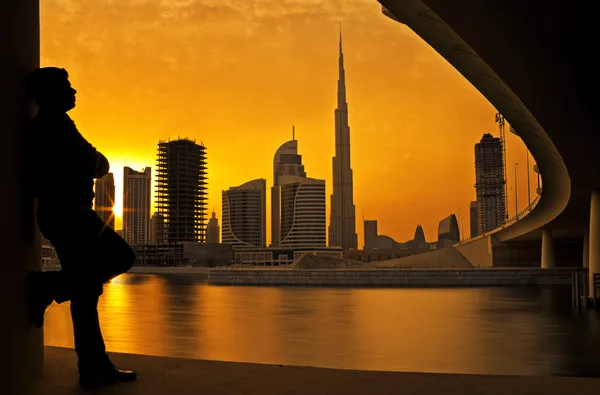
(45, 80)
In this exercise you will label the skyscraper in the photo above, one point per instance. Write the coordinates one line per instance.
(181, 189)
(473, 219)
(286, 162)
(104, 201)
(157, 227)
(303, 212)
(136, 205)
(370, 234)
(213, 230)
(342, 227)
(489, 183)
(244, 215)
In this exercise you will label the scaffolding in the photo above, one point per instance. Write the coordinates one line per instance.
(181, 190)
(490, 184)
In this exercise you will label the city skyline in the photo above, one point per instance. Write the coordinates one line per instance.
(403, 93)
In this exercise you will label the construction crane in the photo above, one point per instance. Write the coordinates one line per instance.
(500, 121)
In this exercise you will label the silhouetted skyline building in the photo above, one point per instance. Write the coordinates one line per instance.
(157, 228)
(286, 162)
(44, 241)
(370, 228)
(48, 255)
(181, 189)
(474, 223)
(213, 230)
(448, 232)
(448, 235)
(342, 227)
(303, 212)
(104, 199)
(136, 205)
(489, 183)
(419, 236)
(244, 216)
(375, 241)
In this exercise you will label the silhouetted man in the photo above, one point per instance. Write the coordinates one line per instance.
(63, 168)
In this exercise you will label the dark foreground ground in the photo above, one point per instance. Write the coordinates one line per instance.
(170, 376)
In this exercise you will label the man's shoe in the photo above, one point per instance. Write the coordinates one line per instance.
(37, 301)
(106, 376)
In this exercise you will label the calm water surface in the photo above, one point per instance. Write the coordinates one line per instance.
(522, 331)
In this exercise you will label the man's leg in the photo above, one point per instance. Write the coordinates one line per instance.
(46, 287)
(95, 367)
(103, 257)
(89, 257)
(89, 343)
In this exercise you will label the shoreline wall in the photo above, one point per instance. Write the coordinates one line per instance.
(391, 277)
(372, 277)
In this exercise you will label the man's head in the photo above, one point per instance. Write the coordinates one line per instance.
(52, 90)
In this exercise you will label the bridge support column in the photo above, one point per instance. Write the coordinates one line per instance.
(21, 345)
(547, 250)
(594, 239)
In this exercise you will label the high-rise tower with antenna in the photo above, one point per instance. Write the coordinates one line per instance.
(342, 226)
(286, 162)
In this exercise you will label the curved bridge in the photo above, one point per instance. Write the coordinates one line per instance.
(534, 62)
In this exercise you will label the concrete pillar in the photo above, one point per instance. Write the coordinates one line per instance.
(21, 345)
(594, 239)
(547, 250)
(586, 248)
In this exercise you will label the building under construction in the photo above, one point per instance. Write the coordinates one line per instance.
(490, 184)
(181, 190)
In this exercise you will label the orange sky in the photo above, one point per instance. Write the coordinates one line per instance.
(237, 74)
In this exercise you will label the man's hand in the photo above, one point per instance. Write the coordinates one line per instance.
(102, 165)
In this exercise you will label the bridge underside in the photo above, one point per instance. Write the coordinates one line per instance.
(534, 61)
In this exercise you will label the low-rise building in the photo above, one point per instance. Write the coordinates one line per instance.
(278, 256)
(183, 254)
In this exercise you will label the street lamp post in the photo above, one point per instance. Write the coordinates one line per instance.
(516, 193)
(459, 223)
